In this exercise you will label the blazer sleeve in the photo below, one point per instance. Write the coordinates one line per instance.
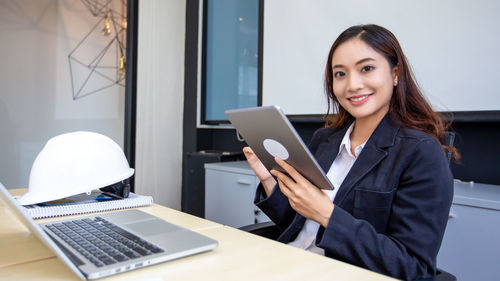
(419, 214)
(276, 206)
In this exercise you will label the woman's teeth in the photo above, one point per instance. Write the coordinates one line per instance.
(358, 98)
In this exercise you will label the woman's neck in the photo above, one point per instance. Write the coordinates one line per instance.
(363, 129)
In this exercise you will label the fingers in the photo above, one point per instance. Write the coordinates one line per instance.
(285, 189)
(248, 152)
(290, 170)
(283, 178)
(259, 169)
(250, 155)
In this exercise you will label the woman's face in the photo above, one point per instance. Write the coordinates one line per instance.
(363, 80)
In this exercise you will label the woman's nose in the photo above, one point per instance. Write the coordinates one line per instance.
(354, 82)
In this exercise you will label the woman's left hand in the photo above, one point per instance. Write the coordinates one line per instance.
(304, 197)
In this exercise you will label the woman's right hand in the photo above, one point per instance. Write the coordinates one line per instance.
(260, 170)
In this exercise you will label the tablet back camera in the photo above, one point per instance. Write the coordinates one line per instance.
(276, 149)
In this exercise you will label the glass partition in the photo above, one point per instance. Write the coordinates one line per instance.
(231, 48)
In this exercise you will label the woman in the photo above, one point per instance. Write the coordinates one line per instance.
(392, 184)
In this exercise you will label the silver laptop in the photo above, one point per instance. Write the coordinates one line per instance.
(269, 133)
(105, 244)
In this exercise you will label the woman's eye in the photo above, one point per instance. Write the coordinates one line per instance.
(367, 68)
(338, 74)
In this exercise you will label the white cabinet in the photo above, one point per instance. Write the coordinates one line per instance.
(471, 244)
(229, 193)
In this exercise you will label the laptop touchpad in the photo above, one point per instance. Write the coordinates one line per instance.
(151, 227)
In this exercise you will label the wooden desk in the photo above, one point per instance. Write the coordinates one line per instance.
(239, 256)
(20, 246)
(17, 243)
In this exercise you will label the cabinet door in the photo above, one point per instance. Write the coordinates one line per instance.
(470, 248)
(229, 198)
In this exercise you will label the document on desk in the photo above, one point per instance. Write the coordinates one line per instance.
(83, 204)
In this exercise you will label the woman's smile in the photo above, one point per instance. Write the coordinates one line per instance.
(359, 99)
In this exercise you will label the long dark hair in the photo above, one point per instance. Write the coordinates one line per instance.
(408, 107)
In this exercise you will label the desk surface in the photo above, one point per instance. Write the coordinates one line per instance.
(239, 256)
(20, 246)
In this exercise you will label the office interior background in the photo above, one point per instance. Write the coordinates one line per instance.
(163, 112)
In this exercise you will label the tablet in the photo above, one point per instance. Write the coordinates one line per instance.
(269, 133)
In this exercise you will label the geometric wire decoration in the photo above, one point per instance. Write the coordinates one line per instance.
(98, 60)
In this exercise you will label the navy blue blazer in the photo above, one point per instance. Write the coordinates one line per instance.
(392, 208)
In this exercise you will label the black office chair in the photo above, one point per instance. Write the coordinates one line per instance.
(271, 231)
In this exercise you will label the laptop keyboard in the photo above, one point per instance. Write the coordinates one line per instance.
(102, 242)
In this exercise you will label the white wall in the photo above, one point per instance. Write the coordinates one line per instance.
(452, 45)
(36, 101)
(160, 97)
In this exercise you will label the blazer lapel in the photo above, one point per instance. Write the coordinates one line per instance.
(373, 152)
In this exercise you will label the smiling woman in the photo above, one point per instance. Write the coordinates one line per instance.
(392, 183)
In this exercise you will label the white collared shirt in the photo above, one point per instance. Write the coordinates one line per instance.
(336, 174)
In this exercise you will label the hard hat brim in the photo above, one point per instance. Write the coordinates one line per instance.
(31, 198)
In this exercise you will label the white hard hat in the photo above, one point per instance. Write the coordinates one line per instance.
(75, 163)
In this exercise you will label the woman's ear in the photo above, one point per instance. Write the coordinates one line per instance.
(395, 75)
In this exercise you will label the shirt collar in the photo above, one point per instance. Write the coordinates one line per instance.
(346, 143)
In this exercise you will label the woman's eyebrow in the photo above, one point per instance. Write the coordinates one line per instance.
(364, 60)
(357, 63)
